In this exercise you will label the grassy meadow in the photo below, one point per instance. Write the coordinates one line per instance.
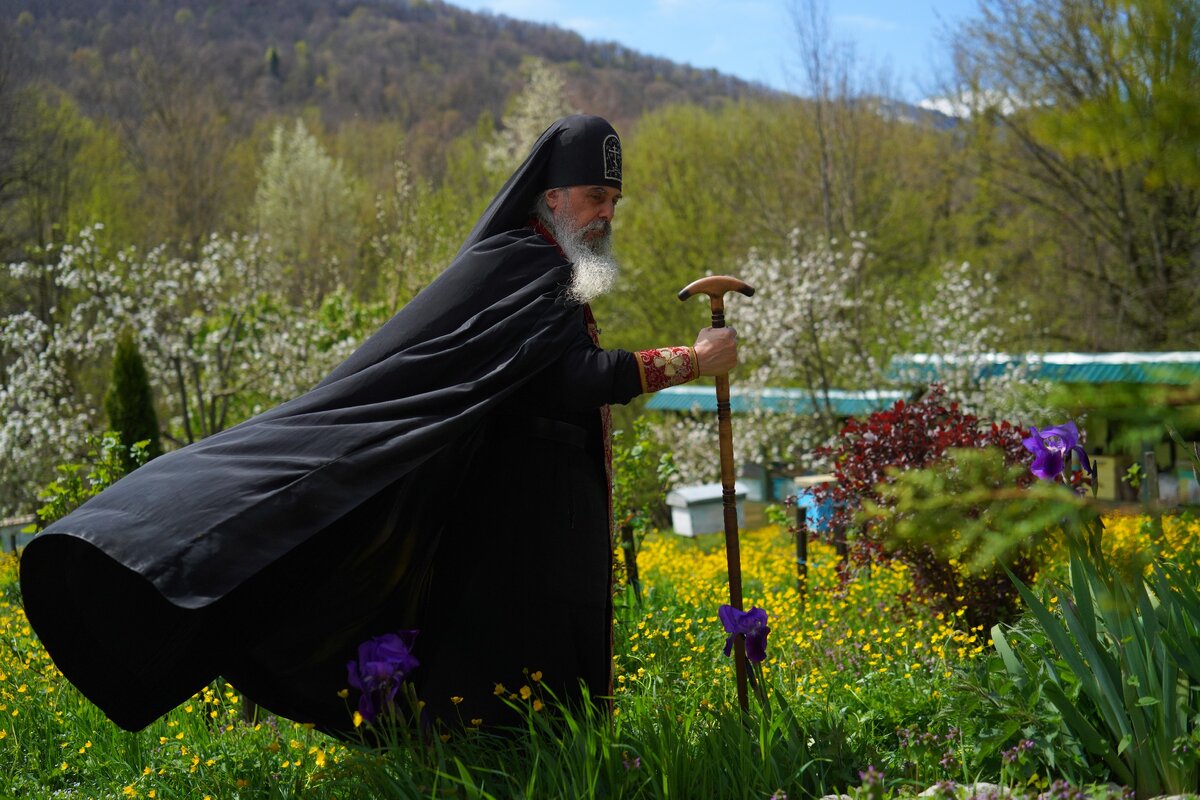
(865, 690)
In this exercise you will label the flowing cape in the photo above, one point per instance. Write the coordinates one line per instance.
(109, 587)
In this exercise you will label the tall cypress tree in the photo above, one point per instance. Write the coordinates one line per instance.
(130, 401)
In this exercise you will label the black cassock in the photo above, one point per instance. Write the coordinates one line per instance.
(449, 477)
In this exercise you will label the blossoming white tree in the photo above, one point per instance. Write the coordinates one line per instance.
(961, 330)
(305, 203)
(220, 345)
(815, 323)
(542, 101)
(823, 323)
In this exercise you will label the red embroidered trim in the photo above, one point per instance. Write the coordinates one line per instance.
(545, 233)
(606, 428)
(666, 366)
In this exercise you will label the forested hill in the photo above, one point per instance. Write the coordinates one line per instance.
(431, 66)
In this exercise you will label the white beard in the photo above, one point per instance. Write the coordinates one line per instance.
(595, 269)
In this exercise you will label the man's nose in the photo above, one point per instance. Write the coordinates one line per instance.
(607, 209)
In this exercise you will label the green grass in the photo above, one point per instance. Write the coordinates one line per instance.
(859, 675)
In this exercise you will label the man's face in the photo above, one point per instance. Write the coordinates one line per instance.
(588, 209)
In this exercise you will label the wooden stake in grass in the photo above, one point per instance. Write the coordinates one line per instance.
(715, 286)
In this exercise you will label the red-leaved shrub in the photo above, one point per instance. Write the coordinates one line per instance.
(913, 436)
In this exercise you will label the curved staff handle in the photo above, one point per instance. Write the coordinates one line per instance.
(715, 286)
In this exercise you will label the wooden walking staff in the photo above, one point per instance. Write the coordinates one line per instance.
(715, 286)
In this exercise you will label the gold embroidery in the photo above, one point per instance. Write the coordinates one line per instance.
(669, 362)
(665, 366)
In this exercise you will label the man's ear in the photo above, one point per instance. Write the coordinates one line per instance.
(553, 198)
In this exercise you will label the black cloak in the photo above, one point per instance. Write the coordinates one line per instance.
(267, 552)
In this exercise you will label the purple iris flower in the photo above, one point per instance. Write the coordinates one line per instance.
(1051, 447)
(382, 663)
(752, 624)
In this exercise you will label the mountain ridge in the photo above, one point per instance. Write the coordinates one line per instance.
(432, 66)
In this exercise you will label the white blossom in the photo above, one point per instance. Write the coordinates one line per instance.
(820, 322)
(214, 330)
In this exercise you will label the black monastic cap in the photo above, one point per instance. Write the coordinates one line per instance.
(577, 150)
(587, 152)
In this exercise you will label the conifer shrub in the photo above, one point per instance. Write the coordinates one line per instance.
(130, 402)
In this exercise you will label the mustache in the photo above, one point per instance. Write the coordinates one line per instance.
(597, 226)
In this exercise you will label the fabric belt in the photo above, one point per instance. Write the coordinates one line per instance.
(554, 430)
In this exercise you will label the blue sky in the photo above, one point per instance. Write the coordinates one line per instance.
(755, 39)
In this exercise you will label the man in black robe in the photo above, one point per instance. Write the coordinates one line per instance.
(450, 477)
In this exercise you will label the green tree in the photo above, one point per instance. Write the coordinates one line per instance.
(305, 204)
(129, 402)
(465, 186)
(680, 220)
(1088, 110)
(72, 172)
(643, 471)
(539, 103)
(180, 133)
(11, 103)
